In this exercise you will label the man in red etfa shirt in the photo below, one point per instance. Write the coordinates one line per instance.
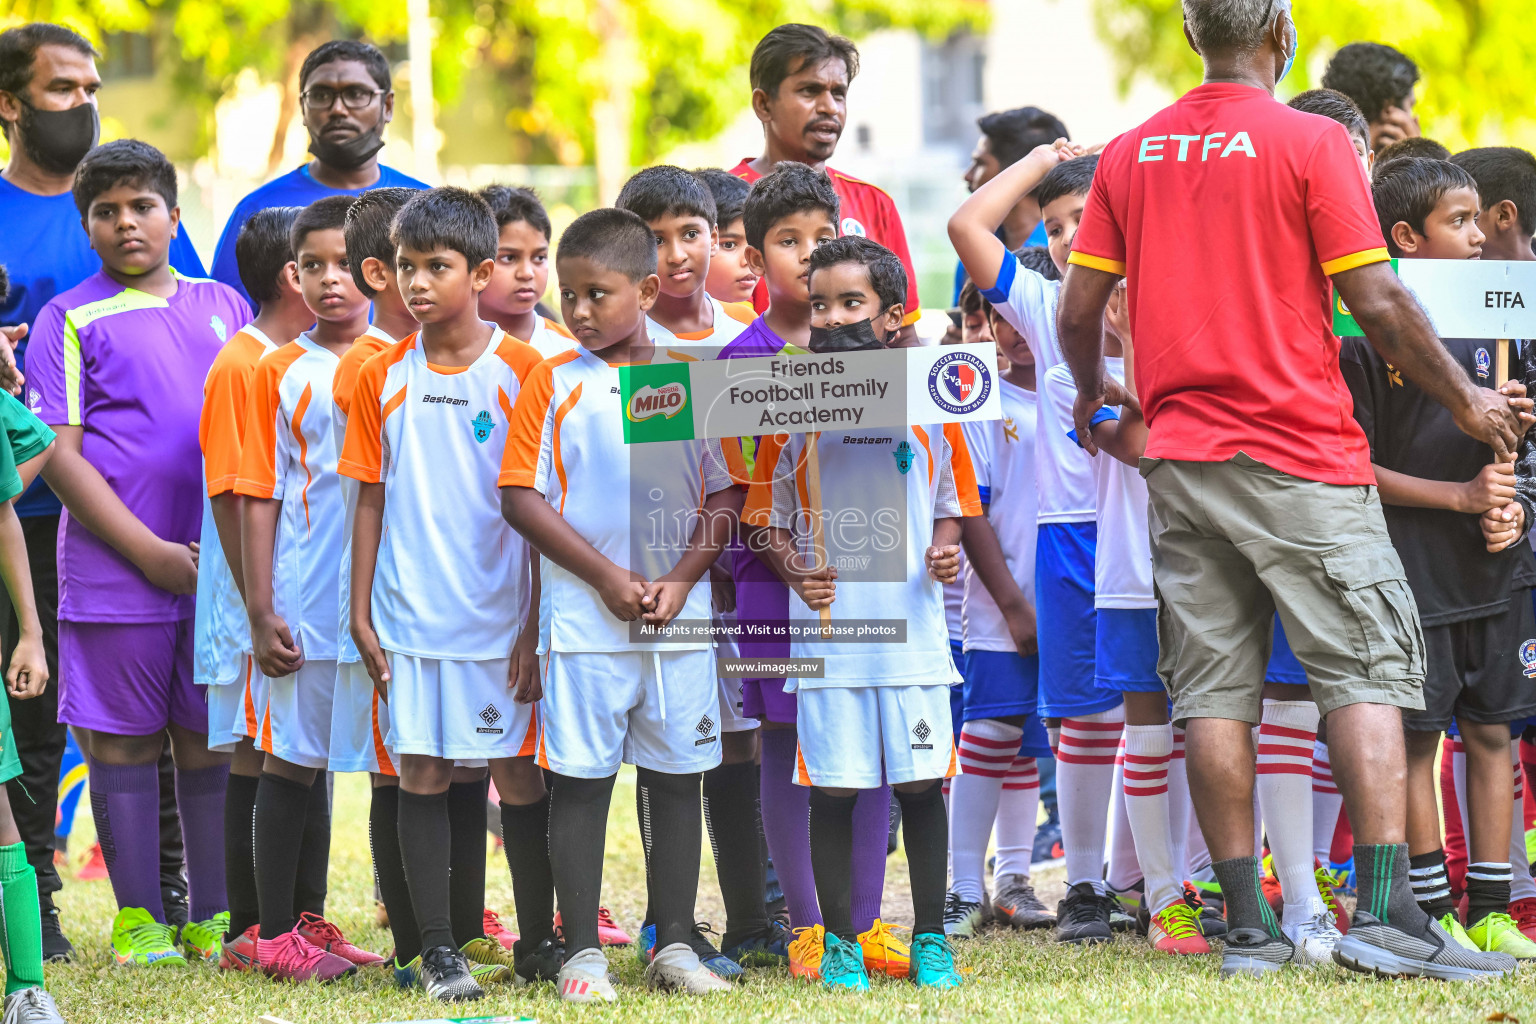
(800, 76)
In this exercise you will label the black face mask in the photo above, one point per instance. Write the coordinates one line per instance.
(855, 337)
(351, 154)
(57, 140)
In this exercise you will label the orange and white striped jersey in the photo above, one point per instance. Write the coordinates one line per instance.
(452, 580)
(290, 456)
(731, 318)
(222, 632)
(636, 504)
(881, 490)
(550, 338)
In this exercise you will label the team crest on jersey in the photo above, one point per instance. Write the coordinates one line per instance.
(853, 227)
(904, 457)
(483, 425)
(1483, 362)
(217, 323)
(1528, 658)
(922, 731)
(959, 383)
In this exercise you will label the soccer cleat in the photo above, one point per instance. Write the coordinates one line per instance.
(842, 967)
(1523, 911)
(319, 932)
(94, 866)
(31, 1006)
(933, 963)
(1083, 917)
(1375, 947)
(769, 948)
(1498, 933)
(584, 979)
(1176, 930)
(203, 940)
(1314, 939)
(1252, 952)
(1210, 906)
(677, 968)
(291, 957)
(409, 976)
(962, 918)
(139, 940)
(541, 963)
(716, 962)
(1452, 925)
(488, 953)
(806, 951)
(57, 949)
(883, 951)
(1048, 851)
(1330, 899)
(646, 946)
(239, 955)
(1016, 904)
(494, 929)
(608, 932)
(1342, 877)
(1128, 901)
(445, 975)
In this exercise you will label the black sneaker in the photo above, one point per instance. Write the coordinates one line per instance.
(1211, 909)
(57, 949)
(541, 963)
(1083, 917)
(446, 978)
(1254, 952)
(1375, 947)
(176, 911)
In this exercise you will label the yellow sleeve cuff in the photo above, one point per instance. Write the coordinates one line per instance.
(1353, 260)
(912, 317)
(1082, 259)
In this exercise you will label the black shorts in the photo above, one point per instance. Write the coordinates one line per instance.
(1480, 670)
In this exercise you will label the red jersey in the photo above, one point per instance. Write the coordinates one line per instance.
(865, 210)
(1226, 212)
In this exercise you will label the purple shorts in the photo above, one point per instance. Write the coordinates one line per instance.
(765, 698)
(129, 678)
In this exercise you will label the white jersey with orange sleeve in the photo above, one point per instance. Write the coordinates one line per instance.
(451, 582)
(290, 456)
(730, 319)
(636, 504)
(550, 339)
(881, 491)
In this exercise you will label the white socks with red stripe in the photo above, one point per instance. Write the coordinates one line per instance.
(1122, 868)
(1085, 773)
(1181, 812)
(987, 751)
(1326, 803)
(1017, 810)
(1148, 753)
(1287, 733)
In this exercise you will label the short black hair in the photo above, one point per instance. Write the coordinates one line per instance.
(447, 217)
(886, 274)
(1409, 189)
(1070, 178)
(612, 238)
(1038, 259)
(1413, 146)
(1335, 106)
(788, 189)
(510, 204)
(366, 54)
(18, 49)
(367, 226)
(1375, 76)
(325, 214)
(1503, 172)
(776, 55)
(730, 193)
(971, 300)
(1013, 133)
(263, 248)
(666, 191)
(125, 161)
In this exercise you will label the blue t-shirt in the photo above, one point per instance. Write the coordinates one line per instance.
(1036, 237)
(46, 251)
(296, 188)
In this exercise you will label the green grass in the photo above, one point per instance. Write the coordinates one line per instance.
(1013, 977)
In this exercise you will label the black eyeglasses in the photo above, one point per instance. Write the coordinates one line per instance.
(353, 97)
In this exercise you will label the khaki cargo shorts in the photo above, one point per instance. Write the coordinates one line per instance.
(1235, 541)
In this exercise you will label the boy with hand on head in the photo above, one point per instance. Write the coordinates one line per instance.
(290, 534)
(612, 695)
(729, 278)
(143, 337)
(443, 615)
(522, 270)
(1506, 188)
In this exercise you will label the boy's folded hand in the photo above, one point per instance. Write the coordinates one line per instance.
(943, 562)
(523, 674)
(172, 567)
(818, 588)
(1502, 526)
(273, 646)
(1492, 488)
(1522, 405)
(623, 591)
(664, 599)
(28, 673)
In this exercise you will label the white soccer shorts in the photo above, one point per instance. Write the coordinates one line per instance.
(731, 718)
(651, 709)
(848, 733)
(297, 723)
(457, 710)
(233, 713)
(359, 724)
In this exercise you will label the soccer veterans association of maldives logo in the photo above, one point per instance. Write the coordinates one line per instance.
(1528, 658)
(959, 383)
(853, 227)
(483, 425)
(1483, 363)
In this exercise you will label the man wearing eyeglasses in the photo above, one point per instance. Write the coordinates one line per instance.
(346, 99)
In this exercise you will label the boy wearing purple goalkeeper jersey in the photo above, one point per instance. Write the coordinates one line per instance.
(116, 367)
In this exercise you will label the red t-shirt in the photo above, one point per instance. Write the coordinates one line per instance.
(1226, 212)
(865, 210)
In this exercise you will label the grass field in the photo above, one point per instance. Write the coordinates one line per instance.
(1012, 977)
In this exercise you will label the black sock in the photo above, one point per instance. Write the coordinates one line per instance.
(239, 854)
(525, 831)
(925, 833)
(389, 872)
(677, 830)
(832, 860)
(315, 851)
(466, 879)
(731, 816)
(1247, 906)
(278, 822)
(578, 829)
(1487, 890)
(1431, 888)
(1381, 879)
(643, 818)
(425, 851)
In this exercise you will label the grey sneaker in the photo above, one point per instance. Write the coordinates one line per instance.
(1017, 905)
(1375, 947)
(962, 918)
(1314, 938)
(446, 976)
(676, 968)
(584, 978)
(31, 1006)
(1253, 952)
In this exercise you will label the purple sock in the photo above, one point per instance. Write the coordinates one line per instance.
(871, 836)
(200, 800)
(125, 801)
(787, 826)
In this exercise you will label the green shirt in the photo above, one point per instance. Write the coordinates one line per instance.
(27, 437)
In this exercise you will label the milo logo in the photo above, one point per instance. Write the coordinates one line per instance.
(648, 402)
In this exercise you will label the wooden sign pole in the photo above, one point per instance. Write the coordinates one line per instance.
(813, 494)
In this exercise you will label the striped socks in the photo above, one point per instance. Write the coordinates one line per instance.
(1431, 888)
(1287, 735)
(987, 752)
(1487, 890)
(1017, 808)
(1381, 874)
(1084, 781)
(1148, 750)
(1327, 801)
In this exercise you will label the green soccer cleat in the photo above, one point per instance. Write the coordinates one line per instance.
(1498, 933)
(487, 952)
(1452, 924)
(139, 940)
(842, 966)
(409, 975)
(204, 940)
(933, 963)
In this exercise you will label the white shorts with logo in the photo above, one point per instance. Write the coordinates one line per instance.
(297, 724)
(848, 733)
(458, 710)
(731, 718)
(652, 709)
(359, 724)
(234, 710)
